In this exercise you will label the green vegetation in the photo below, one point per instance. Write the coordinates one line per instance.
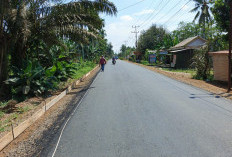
(23, 109)
(83, 70)
(190, 71)
(155, 38)
(144, 62)
(44, 45)
(125, 51)
(211, 22)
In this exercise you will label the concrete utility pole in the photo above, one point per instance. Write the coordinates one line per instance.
(230, 47)
(136, 35)
(125, 49)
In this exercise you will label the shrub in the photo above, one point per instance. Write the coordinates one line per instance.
(30, 80)
(144, 62)
(201, 63)
(132, 58)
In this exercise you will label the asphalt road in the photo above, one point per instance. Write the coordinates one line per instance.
(130, 111)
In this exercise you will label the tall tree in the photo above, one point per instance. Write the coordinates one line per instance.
(203, 13)
(23, 22)
(221, 13)
(151, 38)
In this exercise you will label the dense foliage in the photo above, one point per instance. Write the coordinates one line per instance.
(44, 42)
(126, 51)
(221, 14)
(211, 22)
(151, 38)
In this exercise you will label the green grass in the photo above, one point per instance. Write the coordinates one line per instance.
(21, 110)
(1, 114)
(3, 104)
(79, 73)
(190, 71)
(81, 70)
(144, 62)
(6, 123)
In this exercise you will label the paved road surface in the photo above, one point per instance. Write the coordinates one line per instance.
(130, 111)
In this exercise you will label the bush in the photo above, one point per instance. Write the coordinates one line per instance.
(144, 62)
(132, 58)
(32, 79)
(201, 63)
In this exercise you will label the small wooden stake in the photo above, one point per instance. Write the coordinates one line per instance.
(45, 106)
(12, 129)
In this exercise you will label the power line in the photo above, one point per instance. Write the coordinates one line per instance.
(130, 6)
(176, 13)
(150, 6)
(142, 25)
(152, 13)
(127, 7)
(169, 11)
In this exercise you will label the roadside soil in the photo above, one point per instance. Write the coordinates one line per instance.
(216, 87)
(33, 141)
(16, 113)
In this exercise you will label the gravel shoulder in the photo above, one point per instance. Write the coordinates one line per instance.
(39, 136)
(219, 89)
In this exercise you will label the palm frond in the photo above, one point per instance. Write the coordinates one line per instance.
(196, 16)
(194, 9)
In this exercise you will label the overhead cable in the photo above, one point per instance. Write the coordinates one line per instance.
(176, 12)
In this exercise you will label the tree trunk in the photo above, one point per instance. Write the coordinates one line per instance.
(18, 54)
(4, 89)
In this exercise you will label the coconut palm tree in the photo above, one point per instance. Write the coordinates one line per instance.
(203, 13)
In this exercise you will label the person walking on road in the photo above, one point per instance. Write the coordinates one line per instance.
(102, 62)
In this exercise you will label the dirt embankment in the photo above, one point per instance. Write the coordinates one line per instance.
(218, 88)
(39, 136)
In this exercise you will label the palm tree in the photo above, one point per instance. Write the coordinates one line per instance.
(203, 13)
(25, 21)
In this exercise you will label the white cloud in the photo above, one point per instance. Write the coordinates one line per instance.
(126, 18)
(149, 11)
(118, 33)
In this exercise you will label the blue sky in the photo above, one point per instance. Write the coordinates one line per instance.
(144, 14)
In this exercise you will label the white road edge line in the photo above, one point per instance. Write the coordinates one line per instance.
(61, 133)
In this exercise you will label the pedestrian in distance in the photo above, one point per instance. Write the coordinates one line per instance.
(102, 63)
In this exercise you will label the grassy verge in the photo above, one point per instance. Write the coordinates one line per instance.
(82, 70)
(9, 113)
(190, 71)
(78, 74)
(7, 118)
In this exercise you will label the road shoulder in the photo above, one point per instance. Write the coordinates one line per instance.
(37, 137)
(218, 91)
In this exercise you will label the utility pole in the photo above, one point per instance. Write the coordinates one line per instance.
(125, 49)
(230, 47)
(136, 35)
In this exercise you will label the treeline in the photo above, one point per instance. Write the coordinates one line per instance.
(213, 28)
(45, 42)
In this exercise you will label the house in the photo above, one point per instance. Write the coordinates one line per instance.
(220, 65)
(138, 56)
(183, 52)
(161, 55)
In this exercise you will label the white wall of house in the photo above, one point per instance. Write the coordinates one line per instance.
(196, 43)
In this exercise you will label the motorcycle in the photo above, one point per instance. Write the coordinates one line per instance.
(113, 62)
